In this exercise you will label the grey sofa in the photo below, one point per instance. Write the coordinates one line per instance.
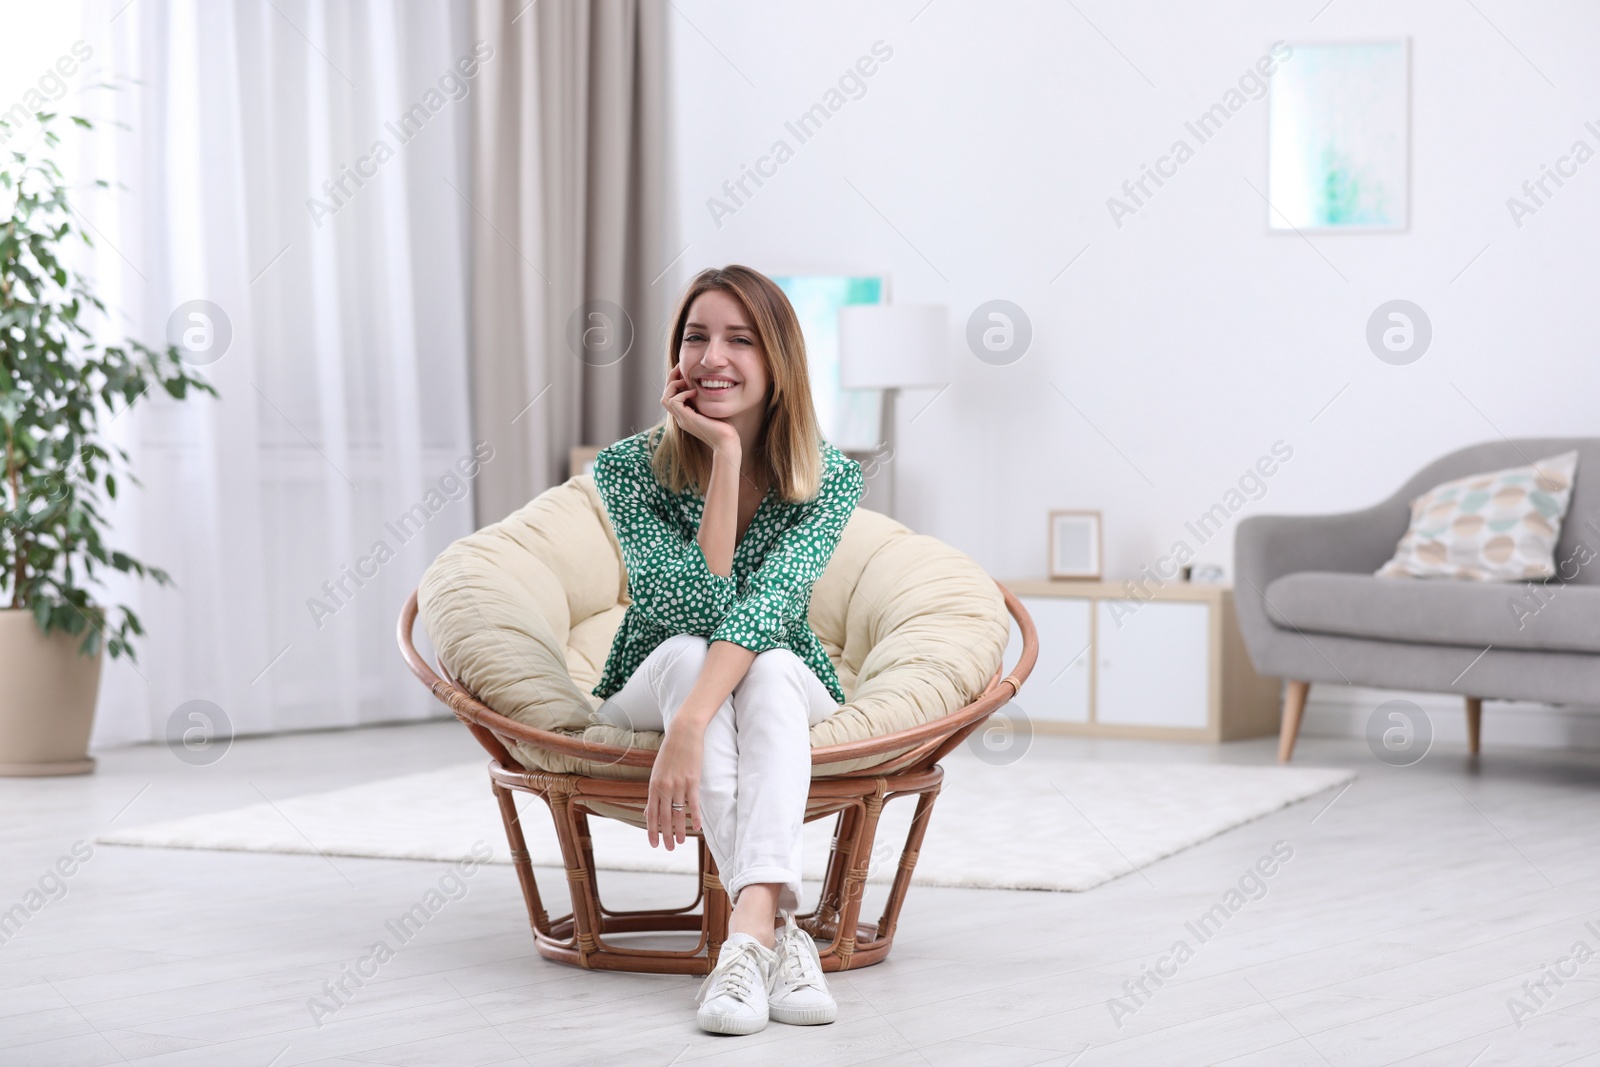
(1311, 609)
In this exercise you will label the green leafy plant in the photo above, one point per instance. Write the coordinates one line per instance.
(58, 390)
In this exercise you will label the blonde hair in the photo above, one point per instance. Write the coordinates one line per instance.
(790, 444)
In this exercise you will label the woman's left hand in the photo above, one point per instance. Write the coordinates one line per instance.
(675, 779)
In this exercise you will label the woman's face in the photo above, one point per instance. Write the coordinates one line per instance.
(721, 356)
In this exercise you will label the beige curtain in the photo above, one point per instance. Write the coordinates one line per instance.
(569, 200)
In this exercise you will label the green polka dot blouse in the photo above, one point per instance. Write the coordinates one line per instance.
(762, 605)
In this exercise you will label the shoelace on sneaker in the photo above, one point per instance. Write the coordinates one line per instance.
(798, 954)
(738, 971)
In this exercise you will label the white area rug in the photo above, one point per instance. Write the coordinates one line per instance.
(1071, 827)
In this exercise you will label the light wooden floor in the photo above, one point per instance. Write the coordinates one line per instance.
(1413, 910)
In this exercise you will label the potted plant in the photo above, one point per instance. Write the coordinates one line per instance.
(58, 388)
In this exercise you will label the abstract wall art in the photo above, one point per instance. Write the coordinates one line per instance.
(849, 417)
(1338, 138)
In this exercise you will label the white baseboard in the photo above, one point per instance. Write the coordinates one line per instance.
(1342, 711)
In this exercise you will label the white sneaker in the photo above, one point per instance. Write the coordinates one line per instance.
(733, 998)
(799, 994)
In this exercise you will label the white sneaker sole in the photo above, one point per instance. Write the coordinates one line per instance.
(715, 1022)
(803, 1016)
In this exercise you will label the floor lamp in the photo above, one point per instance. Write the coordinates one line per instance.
(893, 347)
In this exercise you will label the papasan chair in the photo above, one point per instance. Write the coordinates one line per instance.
(521, 616)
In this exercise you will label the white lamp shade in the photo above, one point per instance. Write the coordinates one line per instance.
(893, 346)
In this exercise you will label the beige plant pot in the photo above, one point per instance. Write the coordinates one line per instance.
(47, 697)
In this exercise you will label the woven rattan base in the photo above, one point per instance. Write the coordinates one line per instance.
(591, 934)
(588, 935)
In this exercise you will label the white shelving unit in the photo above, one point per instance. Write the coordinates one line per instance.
(1172, 666)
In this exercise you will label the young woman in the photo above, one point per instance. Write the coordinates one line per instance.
(727, 512)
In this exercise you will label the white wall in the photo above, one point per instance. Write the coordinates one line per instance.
(1190, 339)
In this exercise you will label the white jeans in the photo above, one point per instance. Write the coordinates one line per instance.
(756, 770)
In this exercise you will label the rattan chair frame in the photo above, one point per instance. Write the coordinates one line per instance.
(854, 799)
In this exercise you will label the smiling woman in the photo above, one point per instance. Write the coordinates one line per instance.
(727, 512)
(736, 325)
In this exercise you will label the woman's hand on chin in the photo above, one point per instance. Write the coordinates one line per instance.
(717, 433)
(675, 779)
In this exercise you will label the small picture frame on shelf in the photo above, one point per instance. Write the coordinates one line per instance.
(580, 459)
(1075, 545)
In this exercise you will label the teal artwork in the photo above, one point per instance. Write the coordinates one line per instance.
(849, 417)
(1338, 136)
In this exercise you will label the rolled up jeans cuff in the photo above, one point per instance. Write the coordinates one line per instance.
(789, 880)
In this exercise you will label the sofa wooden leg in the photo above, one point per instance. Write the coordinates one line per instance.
(1474, 723)
(1294, 706)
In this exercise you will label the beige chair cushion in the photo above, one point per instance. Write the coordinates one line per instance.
(522, 614)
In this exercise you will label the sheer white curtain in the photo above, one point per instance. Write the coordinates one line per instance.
(303, 167)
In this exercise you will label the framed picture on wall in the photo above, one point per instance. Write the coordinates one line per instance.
(850, 418)
(1339, 138)
(1075, 545)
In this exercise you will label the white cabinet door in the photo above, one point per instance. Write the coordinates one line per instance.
(1058, 688)
(1151, 661)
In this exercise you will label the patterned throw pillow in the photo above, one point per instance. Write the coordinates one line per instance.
(1495, 527)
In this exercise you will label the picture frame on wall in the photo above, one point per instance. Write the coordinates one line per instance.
(1075, 545)
(851, 419)
(1339, 139)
